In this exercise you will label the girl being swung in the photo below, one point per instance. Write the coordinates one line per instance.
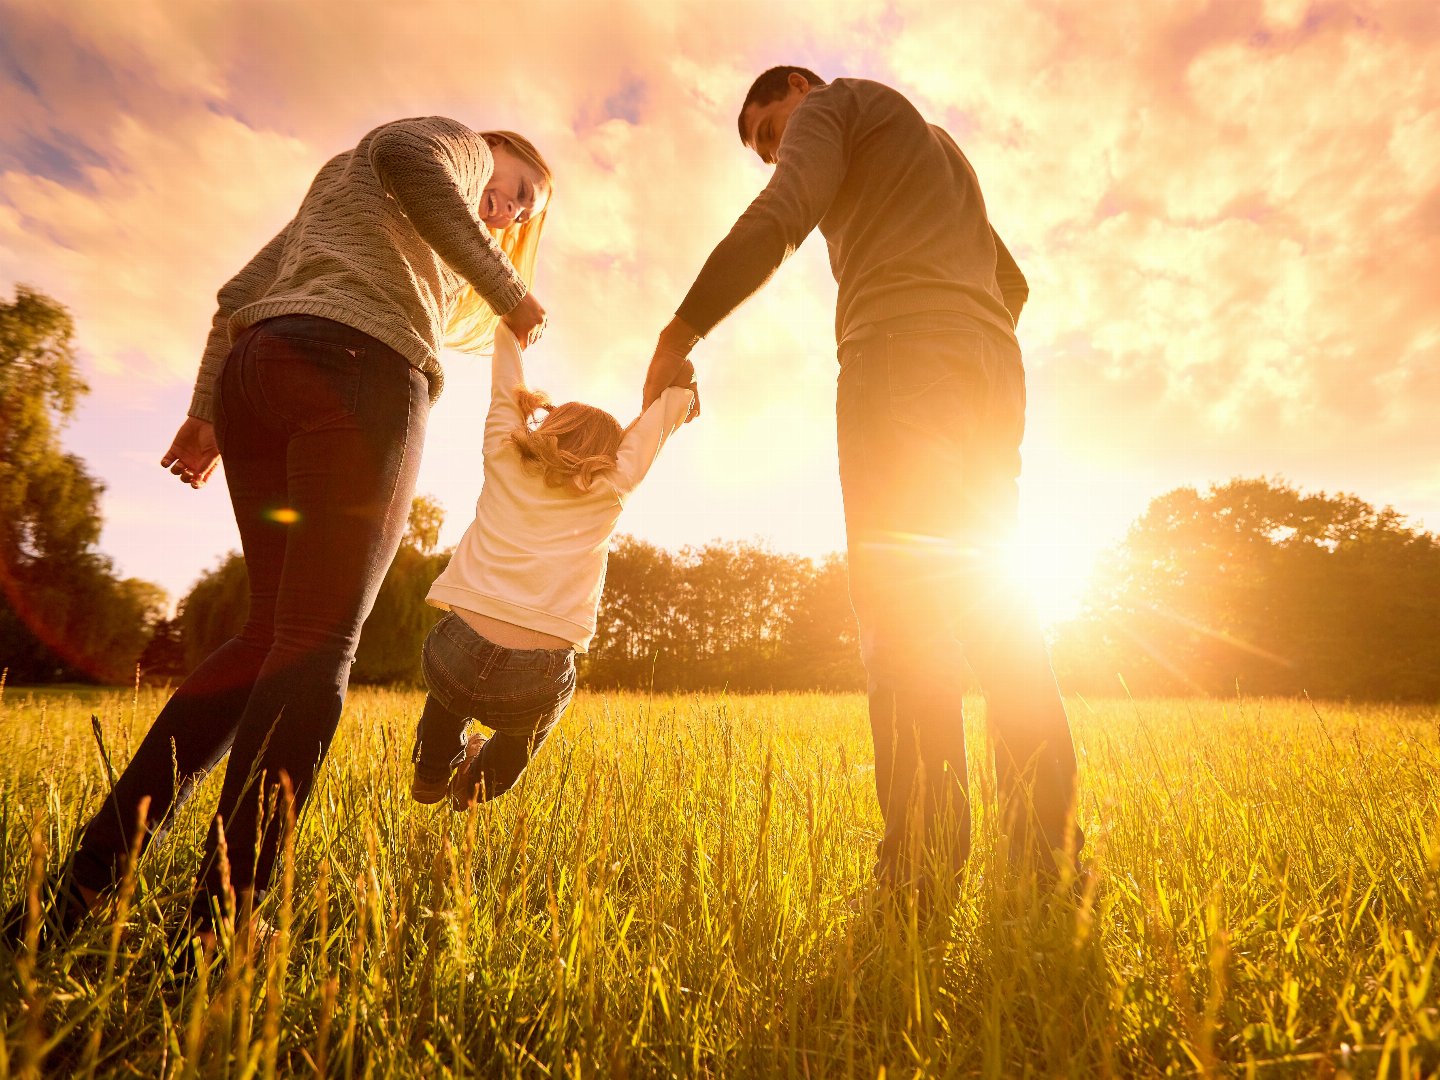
(524, 584)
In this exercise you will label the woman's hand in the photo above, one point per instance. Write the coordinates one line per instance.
(193, 454)
(526, 320)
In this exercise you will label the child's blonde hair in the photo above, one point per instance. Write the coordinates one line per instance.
(572, 446)
(472, 322)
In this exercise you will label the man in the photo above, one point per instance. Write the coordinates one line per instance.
(930, 411)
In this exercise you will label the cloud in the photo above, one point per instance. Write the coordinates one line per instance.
(1228, 211)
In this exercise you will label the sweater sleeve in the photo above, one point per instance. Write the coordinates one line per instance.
(1014, 289)
(249, 285)
(419, 162)
(507, 375)
(810, 166)
(647, 436)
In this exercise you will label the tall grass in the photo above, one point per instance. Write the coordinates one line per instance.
(680, 886)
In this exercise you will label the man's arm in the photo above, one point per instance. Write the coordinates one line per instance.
(1014, 289)
(808, 172)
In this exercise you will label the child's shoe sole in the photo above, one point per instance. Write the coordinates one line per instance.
(464, 791)
(428, 790)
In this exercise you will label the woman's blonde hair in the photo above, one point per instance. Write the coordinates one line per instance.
(472, 322)
(571, 446)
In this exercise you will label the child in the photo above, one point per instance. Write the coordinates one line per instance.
(523, 587)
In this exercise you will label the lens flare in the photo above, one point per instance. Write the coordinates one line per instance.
(282, 515)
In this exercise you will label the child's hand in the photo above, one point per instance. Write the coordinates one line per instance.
(685, 378)
(526, 320)
(684, 375)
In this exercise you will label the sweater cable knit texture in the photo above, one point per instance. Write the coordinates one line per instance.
(385, 240)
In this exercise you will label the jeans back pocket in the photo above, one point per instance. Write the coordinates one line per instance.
(938, 381)
(308, 383)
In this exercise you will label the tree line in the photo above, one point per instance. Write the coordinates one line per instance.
(1250, 585)
(1257, 587)
(734, 615)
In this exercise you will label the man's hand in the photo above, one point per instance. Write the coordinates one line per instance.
(685, 379)
(193, 454)
(526, 320)
(670, 366)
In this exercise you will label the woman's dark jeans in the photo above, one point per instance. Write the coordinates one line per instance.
(930, 413)
(320, 427)
(519, 693)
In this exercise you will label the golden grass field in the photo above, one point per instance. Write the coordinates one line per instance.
(680, 887)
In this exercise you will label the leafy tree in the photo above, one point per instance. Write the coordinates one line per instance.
(422, 531)
(733, 615)
(63, 612)
(1258, 585)
(823, 641)
(163, 658)
(214, 609)
(389, 652)
(637, 614)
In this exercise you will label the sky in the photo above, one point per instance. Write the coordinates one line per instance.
(1228, 212)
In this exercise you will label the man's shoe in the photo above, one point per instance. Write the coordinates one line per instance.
(197, 941)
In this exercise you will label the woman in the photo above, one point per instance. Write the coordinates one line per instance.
(315, 384)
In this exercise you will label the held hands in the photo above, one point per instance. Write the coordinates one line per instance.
(526, 320)
(670, 366)
(685, 378)
(193, 454)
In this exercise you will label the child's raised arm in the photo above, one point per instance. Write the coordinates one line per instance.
(507, 375)
(647, 435)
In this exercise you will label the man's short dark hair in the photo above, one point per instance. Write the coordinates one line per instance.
(771, 86)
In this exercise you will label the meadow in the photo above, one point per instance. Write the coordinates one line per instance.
(680, 886)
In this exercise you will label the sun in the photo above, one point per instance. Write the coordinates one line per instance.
(1051, 573)
(1066, 523)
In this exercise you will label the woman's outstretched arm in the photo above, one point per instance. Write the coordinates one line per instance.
(422, 164)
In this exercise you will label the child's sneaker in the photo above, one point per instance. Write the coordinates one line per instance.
(465, 789)
(430, 783)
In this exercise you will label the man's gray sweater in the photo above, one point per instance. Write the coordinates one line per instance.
(897, 203)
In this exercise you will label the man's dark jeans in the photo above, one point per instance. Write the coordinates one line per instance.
(930, 413)
(519, 693)
(320, 427)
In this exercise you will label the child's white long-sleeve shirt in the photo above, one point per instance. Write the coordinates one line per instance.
(535, 555)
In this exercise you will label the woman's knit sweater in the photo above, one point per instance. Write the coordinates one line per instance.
(384, 241)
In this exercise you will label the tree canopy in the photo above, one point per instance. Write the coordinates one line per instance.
(1257, 585)
(1250, 584)
(64, 614)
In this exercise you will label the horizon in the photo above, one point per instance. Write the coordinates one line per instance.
(1193, 193)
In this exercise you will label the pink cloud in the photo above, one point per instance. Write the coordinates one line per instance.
(1228, 212)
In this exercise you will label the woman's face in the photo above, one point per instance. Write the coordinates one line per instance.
(516, 193)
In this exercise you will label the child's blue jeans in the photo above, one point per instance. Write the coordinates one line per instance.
(518, 693)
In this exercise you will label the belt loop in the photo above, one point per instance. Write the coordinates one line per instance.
(487, 664)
